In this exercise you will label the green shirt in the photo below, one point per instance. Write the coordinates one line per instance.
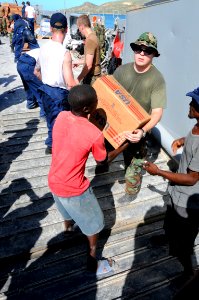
(147, 88)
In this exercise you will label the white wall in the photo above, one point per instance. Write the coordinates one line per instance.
(175, 24)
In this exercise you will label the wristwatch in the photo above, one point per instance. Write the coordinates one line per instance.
(143, 132)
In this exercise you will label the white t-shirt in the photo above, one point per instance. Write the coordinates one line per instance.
(34, 53)
(51, 57)
(30, 12)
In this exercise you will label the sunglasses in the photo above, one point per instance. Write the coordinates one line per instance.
(146, 51)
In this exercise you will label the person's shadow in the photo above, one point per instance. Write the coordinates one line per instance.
(60, 273)
(154, 265)
(12, 97)
(20, 230)
(10, 150)
(7, 80)
(143, 272)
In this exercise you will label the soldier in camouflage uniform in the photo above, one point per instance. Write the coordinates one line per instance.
(146, 84)
(3, 24)
(100, 33)
(10, 25)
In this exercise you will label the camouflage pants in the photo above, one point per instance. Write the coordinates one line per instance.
(134, 157)
(3, 26)
(10, 37)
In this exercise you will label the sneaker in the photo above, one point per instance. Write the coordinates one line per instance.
(48, 150)
(127, 199)
(42, 118)
(33, 106)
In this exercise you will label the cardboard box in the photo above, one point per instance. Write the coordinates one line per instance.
(12, 8)
(117, 110)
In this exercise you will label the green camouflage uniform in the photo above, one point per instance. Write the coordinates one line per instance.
(10, 34)
(100, 33)
(133, 176)
(3, 24)
(135, 154)
(134, 159)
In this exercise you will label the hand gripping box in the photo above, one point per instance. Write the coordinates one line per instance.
(117, 110)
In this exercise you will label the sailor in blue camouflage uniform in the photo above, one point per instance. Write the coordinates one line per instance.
(19, 37)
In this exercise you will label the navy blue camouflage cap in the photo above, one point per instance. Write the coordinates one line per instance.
(58, 20)
(149, 40)
(195, 95)
(15, 17)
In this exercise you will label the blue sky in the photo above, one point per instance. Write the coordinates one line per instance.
(57, 4)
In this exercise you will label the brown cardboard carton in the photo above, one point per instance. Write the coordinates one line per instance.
(12, 8)
(117, 110)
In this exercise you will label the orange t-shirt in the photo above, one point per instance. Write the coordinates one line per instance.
(74, 138)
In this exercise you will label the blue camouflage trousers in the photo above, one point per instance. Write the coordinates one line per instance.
(31, 83)
(54, 101)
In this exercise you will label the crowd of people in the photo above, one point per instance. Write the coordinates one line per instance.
(66, 102)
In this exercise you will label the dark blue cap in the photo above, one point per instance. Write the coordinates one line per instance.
(15, 17)
(58, 20)
(194, 94)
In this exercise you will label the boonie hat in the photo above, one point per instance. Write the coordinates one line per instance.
(147, 39)
(194, 94)
(58, 20)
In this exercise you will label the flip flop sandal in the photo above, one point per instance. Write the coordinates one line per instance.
(72, 229)
(104, 266)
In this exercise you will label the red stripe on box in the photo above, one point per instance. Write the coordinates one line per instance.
(109, 83)
(110, 133)
(113, 130)
(136, 112)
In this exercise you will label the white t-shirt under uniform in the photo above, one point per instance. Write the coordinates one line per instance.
(30, 12)
(51, 58)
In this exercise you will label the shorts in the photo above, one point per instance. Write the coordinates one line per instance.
(84, 210)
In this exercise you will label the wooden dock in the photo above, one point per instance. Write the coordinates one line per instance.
(38, 261)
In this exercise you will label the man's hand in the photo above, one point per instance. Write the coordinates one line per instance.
(151, 168)
(135, 136)
(177, 144)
